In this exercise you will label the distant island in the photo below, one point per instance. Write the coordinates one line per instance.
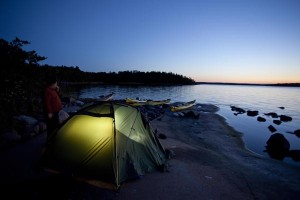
(252, 84)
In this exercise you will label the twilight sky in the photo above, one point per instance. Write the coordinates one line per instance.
(248, 41)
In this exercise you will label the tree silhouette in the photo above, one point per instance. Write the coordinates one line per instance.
(19, 78)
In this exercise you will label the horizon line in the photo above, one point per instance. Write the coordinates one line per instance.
(262, 84)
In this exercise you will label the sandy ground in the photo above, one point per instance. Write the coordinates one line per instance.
(209, 162)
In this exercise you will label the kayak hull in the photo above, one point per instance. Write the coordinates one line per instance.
(136, 102)
(183, 106)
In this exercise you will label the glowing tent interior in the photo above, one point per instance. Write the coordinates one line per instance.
(105, 141)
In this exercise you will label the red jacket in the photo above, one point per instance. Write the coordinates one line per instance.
(52, 100)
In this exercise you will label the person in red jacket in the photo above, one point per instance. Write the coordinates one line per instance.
(53, 105)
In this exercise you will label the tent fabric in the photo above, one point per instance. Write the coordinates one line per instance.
(108, 141)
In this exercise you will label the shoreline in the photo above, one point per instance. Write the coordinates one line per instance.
(210, 162)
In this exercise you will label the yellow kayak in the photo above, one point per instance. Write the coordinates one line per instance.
(132, 101)
(183, 106)
(136, 102)
(154, 103)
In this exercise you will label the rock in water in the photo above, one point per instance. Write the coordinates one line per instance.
(277, 146)
(285, 118)
(276, 121)
(272, 114)
(272, 129)
(237, 110)
(252, 113)
(295, 155)
(297, 132)
(261, 119)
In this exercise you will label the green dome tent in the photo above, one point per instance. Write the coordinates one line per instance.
(105, 141)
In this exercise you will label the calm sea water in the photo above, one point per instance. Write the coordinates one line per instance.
(261, 98)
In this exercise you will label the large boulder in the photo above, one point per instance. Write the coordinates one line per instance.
(277, 146)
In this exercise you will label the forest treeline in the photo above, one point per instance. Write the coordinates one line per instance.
(22, 78)
(135, 77)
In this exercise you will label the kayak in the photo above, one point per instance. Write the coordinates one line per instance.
(154, 103)
(137, 102)
(129, 100)
(106, 97)
(183, 106)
